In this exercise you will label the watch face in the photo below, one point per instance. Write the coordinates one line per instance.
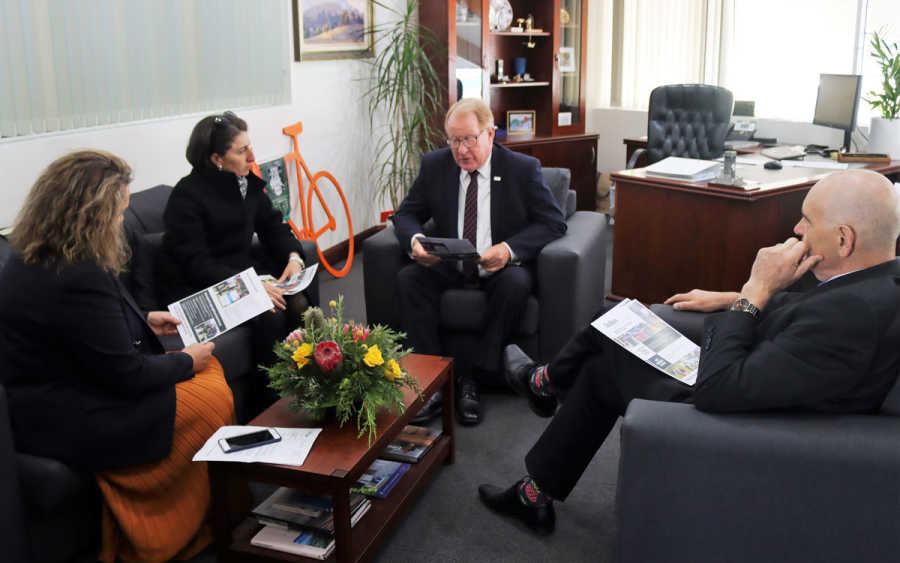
(500, 15)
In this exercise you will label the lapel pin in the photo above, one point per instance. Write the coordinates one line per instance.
(497, 178)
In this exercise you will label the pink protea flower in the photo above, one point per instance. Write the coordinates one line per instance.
(298, 334)
(360, 333)
(346, 328)
(328, 355)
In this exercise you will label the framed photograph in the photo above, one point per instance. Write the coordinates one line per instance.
(520, 122)
(567, 59)
(326, 29)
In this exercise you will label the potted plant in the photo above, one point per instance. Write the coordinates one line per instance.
(884, 133)
(406, 93)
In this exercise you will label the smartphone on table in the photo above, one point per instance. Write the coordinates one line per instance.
(249, 440)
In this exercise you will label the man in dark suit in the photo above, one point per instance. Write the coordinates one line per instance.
(832, 348)
(497, 200)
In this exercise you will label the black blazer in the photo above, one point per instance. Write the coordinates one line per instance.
(524, 213)
(209, 230)
(87, 379)
(834, 348)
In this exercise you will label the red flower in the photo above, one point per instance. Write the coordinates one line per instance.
(328, 355)
(360, 333)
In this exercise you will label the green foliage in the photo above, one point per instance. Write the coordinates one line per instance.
(887, 55)
(407, 91)
(365, 380)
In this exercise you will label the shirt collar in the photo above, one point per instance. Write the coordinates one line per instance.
(484, 171)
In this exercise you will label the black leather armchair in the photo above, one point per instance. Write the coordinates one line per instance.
(569, 289)
(688, 120)
(700, 487)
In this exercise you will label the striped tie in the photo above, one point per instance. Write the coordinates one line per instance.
(470, 223)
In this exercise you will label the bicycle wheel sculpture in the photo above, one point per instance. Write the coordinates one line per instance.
(322, 186)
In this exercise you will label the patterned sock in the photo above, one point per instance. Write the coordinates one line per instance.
(539, 382)
(530, 494)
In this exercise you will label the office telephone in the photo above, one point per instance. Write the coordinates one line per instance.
(741, 130)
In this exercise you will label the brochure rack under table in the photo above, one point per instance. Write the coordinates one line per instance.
(335, 462)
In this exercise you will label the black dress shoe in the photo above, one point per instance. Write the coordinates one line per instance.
(518, 368)
(541, 519)
(468, 404)
(432, 409)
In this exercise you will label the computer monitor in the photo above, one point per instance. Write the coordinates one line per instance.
(837, 103)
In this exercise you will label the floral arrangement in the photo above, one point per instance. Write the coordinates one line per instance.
(328, 364)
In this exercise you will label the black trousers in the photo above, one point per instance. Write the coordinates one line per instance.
(419, 290)
(598, 379)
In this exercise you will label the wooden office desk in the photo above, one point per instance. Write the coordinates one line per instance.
(673, 236)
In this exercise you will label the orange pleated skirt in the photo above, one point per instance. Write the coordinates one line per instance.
(160, 511)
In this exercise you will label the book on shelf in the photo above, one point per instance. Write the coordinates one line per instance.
(380, 477)
(308, 543)
(289, 508)
(411, 444)
(688, 169)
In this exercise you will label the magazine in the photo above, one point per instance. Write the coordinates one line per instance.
(411, 444)
(307, 543)
(289, 508)
(296, 283)
(379, 478)
(640, 331)
(221, 307)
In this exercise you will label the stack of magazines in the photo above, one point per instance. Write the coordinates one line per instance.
(411, 444)
(378, 480)
(300, 523)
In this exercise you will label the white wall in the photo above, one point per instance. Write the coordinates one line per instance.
(327, 96)
(611, 126)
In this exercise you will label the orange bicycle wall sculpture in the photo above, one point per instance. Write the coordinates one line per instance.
(313, 207)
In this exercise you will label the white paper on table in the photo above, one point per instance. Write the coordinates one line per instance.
(293, 448)
(296, 283)
(640, 331)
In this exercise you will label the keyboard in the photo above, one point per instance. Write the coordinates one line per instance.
(784, 152)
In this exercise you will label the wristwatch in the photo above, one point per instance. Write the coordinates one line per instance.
(741, 304)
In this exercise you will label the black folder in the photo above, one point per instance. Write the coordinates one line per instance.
(449, 248)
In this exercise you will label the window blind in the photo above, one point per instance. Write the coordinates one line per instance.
(68, 64)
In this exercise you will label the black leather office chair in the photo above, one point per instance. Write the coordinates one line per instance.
(688, 120)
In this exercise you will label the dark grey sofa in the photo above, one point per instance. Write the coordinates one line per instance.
(569, 289)
(743, 488)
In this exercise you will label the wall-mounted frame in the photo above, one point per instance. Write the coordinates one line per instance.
(520, 122)
(321, 33)
(567, 59)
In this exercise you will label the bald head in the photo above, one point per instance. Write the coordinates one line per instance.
(865, 200)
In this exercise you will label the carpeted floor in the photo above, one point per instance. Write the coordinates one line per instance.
(448, 523)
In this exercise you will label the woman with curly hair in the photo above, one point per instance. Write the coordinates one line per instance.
(88, 382)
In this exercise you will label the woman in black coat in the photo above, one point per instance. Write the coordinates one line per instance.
(210, 221)
(88, 382)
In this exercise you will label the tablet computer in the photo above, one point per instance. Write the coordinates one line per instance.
(449, 248)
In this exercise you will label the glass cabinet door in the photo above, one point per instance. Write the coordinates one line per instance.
(569, 63)
(469, 73)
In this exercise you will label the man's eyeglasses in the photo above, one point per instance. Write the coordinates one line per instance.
(468, 141)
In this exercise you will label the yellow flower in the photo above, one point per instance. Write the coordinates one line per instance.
(332, 303)
(393, 371)
(301, 354)
(373, 357)
(287, 346)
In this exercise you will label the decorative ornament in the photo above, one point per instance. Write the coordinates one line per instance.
(501, 15)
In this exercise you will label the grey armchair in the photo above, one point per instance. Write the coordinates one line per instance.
(570, 275)
(700, 487)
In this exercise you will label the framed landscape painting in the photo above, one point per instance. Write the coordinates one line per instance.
(332, 29)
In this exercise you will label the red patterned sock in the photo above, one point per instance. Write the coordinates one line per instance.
(540, 381)
(530, 494)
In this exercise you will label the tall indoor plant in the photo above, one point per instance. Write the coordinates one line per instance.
(404, 100)
(884, 133)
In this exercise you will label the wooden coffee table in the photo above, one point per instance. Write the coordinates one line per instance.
(336, 460)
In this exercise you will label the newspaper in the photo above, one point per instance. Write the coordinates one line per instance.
(640, 331)
(217, 309)
(293, 448)
(296, 283)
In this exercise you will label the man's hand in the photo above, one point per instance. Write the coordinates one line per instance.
(276, 295)
(775, 268)
(162, 323)
(200, 352)
(702, 300)
(494, 258)
(422, 256)
(292, 268)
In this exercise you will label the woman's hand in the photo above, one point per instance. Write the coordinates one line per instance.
(162, 323)
(276, 295)
(293, 267)
(200, 352)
